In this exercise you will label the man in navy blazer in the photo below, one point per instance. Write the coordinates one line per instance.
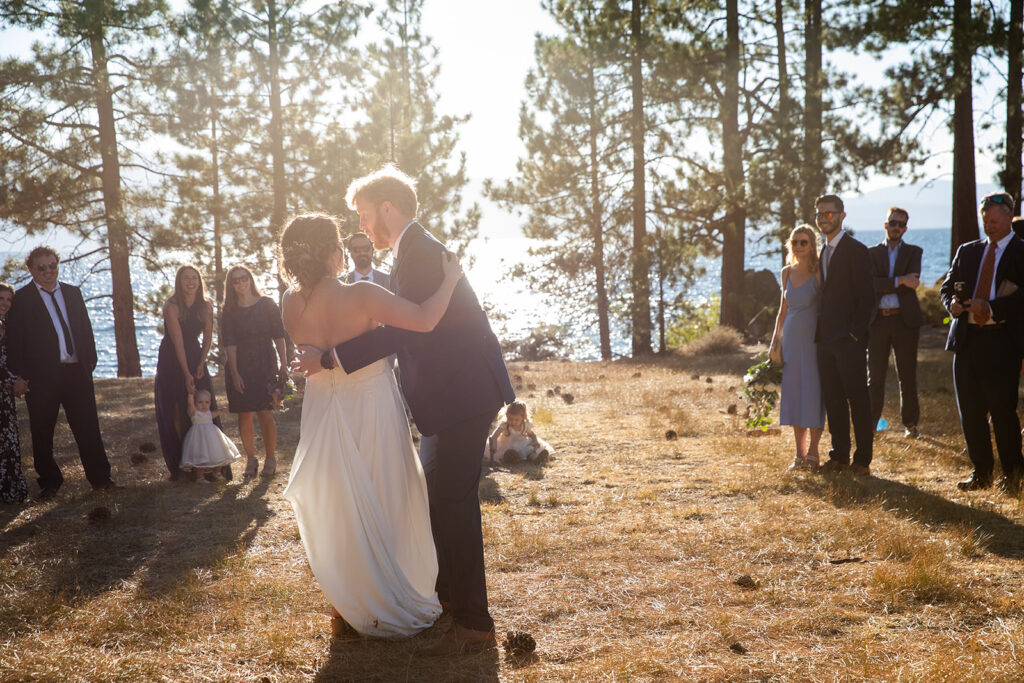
(844, 323)
(50, 344)
(360, 249)
(897, 325)
(454, 380)
(987, 341)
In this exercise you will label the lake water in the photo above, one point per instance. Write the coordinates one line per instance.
(492, 259)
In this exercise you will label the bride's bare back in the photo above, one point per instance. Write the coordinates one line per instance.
(333, 312)
(328, 315)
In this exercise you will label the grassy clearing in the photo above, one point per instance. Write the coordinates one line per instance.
(622, 556)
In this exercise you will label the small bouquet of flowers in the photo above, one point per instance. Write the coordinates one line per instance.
(281, 389)
(761, 389)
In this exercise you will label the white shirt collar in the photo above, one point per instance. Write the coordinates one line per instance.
(398, 240)
(357, 276)
(42, 289)
(1001, 244)
(834, 242)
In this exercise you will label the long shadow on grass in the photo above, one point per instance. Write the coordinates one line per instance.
(381, 660)
(1000, 535)
(92, 543)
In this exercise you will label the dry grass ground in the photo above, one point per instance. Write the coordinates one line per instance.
(621, 556)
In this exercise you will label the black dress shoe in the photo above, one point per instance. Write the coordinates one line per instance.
(47, 493)
(974, 482)
(106, 486)
(1010, 484)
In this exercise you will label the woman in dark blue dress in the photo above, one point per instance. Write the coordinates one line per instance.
(252, 336)
(13, 488)
(181, 365)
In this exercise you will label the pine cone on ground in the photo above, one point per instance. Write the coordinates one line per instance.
(519, 643)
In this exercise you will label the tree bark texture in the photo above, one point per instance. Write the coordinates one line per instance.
(965, 192)
(813, 168)
(641, 277)
(1014, 102)
(125, 341)
(733, 230)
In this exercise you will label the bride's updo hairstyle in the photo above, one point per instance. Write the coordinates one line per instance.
(307, 243)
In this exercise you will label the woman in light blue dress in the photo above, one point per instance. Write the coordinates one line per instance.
(801, 404)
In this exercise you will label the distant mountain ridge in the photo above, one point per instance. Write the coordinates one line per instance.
(930, 204)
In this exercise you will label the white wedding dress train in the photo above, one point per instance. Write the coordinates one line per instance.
(361, 502)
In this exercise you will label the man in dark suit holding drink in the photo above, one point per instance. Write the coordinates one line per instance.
(982, 292)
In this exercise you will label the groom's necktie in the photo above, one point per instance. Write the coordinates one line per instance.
(65, 331)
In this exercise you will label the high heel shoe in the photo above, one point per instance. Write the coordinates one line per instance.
(250, 468)
(269, 467)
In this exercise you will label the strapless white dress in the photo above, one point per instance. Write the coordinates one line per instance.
(360, 498)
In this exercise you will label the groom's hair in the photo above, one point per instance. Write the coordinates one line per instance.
(386, 185)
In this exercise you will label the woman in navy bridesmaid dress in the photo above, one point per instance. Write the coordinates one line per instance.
(181, 365)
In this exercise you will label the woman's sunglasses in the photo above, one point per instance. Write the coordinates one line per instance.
(800, 243)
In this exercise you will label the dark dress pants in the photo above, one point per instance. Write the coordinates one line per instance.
(72, 388)
(842, 366)
(986, 374)
(891, 334)
(455, 520)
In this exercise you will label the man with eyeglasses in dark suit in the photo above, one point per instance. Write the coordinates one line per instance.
(844, 323)
(984, 293)
(51, 345)
(897, 325)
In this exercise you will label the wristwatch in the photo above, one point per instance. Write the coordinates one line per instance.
(327, 360)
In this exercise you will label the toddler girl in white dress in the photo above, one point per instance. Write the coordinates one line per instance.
(514, 440)
(206, 448)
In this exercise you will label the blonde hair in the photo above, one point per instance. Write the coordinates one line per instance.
(804, 229)
(388, 184)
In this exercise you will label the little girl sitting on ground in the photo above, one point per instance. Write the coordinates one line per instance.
(206, 448)
(514, 439)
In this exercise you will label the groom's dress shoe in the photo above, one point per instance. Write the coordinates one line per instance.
(974, 482)
(342, 630)
(835, 466)
(460, 641)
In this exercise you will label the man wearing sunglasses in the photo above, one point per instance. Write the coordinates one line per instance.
(50, 344)
(896, 268)
(847, 304)
(983, 293)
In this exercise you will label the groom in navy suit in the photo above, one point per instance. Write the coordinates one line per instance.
(847, 307)
(455, 381)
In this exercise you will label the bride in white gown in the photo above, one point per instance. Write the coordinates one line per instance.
(356, 484)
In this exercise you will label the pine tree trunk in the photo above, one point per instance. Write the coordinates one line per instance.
(641, 273)
(965, 193)
(218, 230)
(814, 173)
(596, 226)
(1014, 102)
(732, 161)
(787, 147)
(125, 342)
(279, 185)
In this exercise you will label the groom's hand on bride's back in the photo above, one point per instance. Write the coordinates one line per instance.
(307, 360)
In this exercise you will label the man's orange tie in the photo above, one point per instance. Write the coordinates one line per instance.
(985, 281)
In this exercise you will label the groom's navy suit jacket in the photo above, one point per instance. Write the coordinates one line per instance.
(450, 374)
